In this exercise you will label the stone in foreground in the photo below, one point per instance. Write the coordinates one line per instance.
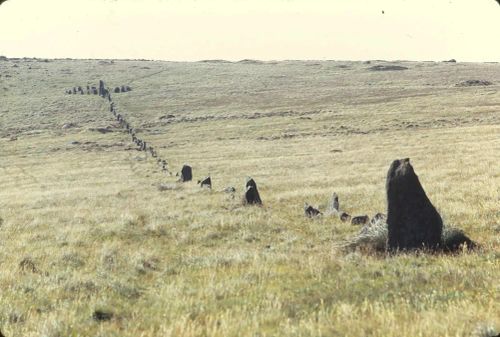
(413, 222)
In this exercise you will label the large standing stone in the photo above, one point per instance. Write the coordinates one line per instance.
(186, 173)
(252, 193)
(412, 220)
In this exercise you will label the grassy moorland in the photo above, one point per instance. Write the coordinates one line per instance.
(84, 227)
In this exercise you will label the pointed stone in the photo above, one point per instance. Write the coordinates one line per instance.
(206, 182)
(413, 222)
(252, 196)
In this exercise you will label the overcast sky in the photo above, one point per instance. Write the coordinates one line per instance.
(467, 30)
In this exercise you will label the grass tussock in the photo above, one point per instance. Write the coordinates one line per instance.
(373, 239)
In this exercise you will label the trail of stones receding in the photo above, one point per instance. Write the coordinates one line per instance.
(412, 222)
(132, 132)
(251, 193)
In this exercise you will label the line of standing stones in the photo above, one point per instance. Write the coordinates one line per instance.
(412, 221)
(251, 196)
(92, 90)
(142, 145)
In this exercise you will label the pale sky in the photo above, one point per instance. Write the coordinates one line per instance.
(190, 30)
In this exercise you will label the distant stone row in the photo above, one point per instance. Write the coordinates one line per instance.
(101, 91)
(142, 145)
(123, 88)
(79, 90)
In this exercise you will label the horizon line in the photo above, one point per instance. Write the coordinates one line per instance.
(215, 60)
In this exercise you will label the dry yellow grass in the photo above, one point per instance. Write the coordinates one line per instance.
(95, 233)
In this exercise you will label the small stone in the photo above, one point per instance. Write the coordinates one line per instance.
(310, 211)
(344, 217)
(206, 182)
(378, 218)
(360, 220)
(102, 315)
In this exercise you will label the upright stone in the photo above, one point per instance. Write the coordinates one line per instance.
(413, 222)
(252, 196)
(186, 173)
(333, 206)
(101, 88)
(206, 182)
